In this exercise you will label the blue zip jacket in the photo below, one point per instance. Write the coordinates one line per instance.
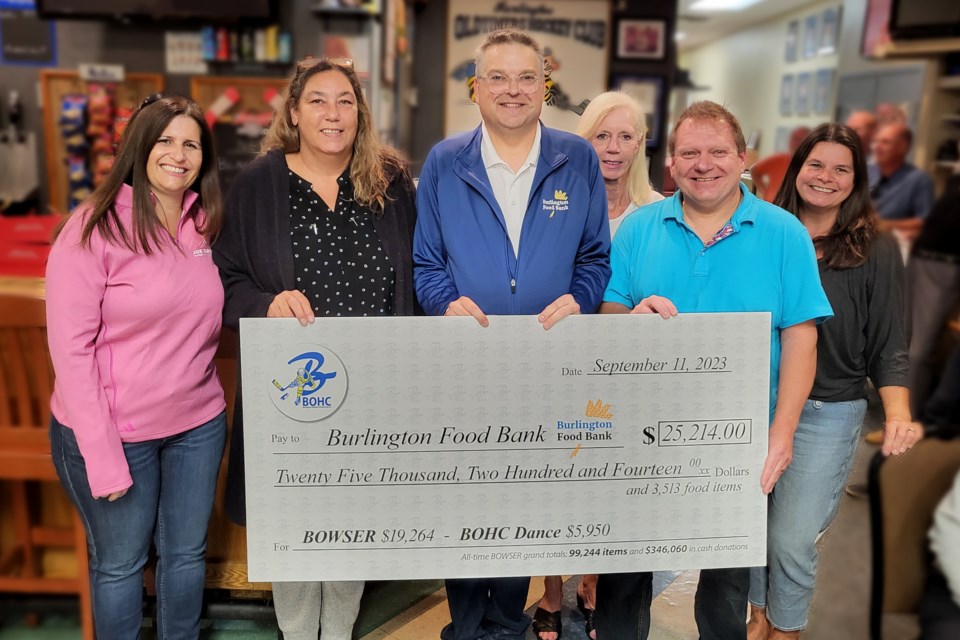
(461, 247)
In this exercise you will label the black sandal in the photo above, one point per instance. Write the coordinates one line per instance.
(547, 622)
(587, 615)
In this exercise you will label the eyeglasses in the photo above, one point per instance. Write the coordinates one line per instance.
(498, 82)
(310, 62)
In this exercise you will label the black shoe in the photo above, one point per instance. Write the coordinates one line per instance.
(587, 615)
(547, 622)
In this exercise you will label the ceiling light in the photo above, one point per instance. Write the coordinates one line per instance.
(722, 5)
(678, 36)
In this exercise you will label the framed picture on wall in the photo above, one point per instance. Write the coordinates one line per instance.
(781, 143)
(823, 91)
(641, 39)
(811, 35)
(579, 56)
(829, 30)
(648, 91)
(786, 95)
(876, 28)
(792, 42)
(802, 101)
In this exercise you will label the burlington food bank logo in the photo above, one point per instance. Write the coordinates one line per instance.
(311, 386)
(560, 202)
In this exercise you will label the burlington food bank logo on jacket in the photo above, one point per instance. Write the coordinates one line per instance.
(310, 386)
(560, 202)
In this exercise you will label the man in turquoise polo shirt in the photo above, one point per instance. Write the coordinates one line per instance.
(714, 247)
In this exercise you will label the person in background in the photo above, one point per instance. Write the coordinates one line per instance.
(477, 191)
(902, 193)
(890, 113)
(862, 274)
(933, 276)
(714, 225)
(321, 224)
(864, 123)
(614, 124)
(133, 322)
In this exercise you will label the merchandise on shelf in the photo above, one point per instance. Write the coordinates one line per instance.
(73, 127)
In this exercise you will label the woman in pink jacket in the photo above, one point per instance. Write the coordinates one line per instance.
(133, 317)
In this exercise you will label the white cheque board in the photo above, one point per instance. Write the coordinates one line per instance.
(405, 448)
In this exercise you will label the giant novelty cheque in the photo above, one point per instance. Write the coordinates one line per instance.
(407, 448)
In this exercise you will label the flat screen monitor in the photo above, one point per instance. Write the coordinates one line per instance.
(924, 19)
(157, 9)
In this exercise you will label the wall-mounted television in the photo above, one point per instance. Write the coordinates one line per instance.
(211, 10)
(911, 19)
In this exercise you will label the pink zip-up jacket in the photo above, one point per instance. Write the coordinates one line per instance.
(132, 338)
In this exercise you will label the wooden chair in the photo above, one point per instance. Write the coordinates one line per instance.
(26, 382)
(904, 492)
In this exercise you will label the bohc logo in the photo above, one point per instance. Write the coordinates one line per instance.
(311, 386)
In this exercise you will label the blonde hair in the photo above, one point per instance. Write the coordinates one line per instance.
(372, 165)
(638, 180)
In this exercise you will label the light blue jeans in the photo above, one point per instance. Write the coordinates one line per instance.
(802, 505)
(174, 479)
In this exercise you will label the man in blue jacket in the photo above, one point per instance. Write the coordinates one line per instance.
(512, 219)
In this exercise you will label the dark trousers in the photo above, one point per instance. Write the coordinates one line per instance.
(720, 606)
(943, 407)
(939, 614)
(623, 605)
(487, 609)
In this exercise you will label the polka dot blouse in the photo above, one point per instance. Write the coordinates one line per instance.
(339, 262)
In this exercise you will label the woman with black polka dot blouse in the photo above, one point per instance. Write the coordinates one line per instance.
(321, 224)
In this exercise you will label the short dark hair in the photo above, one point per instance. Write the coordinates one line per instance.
(709, 111)
(509, 36)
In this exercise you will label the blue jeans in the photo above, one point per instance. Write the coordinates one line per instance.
(802, 505)
(174, 479)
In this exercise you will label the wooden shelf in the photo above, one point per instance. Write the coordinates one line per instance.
(363, 10)
(251, 68)
(915, 48)
(206, 89)
(951, 119)
(949, 82)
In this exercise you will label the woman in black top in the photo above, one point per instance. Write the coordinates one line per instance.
(862, 275)
(321, 224)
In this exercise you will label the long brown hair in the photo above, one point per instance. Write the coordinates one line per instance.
(372, 166)
(144, 128)
(848, 243)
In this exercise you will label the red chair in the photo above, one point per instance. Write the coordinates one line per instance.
(768, 173)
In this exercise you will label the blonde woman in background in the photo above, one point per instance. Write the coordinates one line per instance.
(614, 124)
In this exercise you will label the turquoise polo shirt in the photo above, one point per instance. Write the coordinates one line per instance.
(768, 263)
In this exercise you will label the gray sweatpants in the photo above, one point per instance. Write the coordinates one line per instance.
(303, 608)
